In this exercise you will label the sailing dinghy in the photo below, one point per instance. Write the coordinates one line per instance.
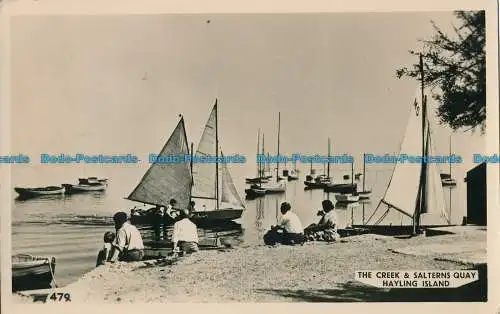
(415, 189)
(184, 181)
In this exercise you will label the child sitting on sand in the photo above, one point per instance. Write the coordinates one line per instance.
(104, 254)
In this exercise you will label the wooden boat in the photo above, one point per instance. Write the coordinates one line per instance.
(291, 175)
(271, 187)
(82, 188)
(32, 272)
(33, 192)
(341, 188)
(254, 192)
(258, 180)
(415, 191)
(92, 180)
(346, 198)
(320, 181)
(208, 182)
(448, 182)
(256, 189)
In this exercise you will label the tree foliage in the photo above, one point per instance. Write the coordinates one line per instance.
(455, 69)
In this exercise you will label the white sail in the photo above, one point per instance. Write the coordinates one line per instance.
(164, 181)
(403, 190)
(401, 194)
(204, 173)
(436, 207)
(229, 194)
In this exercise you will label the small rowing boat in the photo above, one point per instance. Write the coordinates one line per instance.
(33, 192)
(346, 198)
(32, 272)
(91, 184)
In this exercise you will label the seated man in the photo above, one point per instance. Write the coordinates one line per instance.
(326, 229)
(185, 234)
(289, 231)
(128, 245)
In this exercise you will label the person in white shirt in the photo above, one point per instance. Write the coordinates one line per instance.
(128, 245)
(289, 229)
(185, 234)
(326, 229)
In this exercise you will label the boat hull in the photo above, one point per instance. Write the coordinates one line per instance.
(341, 188)
(33, 192)
(346, 198)
(35, 274)
(315, 185)
(391, 230)
(199, 217)
(82, 188)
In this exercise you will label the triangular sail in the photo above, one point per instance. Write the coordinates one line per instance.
(401, 194)
(436, 206)
(164, 181)
(229, 194)
(403, 190)
(204, 174)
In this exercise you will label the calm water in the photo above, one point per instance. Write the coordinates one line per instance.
(71, 227)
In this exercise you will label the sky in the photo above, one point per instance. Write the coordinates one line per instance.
(117, 84)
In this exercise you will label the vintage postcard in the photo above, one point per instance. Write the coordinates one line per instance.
(247, 154)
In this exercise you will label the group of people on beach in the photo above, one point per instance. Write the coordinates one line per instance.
(126, 244)
(289, 230)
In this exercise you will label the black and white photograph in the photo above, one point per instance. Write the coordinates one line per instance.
(250, 157)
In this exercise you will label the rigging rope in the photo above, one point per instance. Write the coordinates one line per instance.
(382, 217)
(52, 273)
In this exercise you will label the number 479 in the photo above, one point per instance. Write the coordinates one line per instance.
(59, 296)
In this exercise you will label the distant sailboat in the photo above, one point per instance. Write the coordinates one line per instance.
(415, 190)
(261, 177)
(280, 185)
(364, 194)
(320, 181)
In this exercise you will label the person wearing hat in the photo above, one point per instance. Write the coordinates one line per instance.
(289, 229)
(326, 228)
(185, 234)
(128, 245)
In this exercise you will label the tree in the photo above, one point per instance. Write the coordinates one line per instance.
(455, 69)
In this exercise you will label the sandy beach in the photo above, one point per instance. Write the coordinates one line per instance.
(314, 272)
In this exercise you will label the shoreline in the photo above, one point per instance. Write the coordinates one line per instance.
(314, 272)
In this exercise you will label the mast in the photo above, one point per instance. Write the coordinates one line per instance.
(449, 162)
(328, 171)
(258, 161)
(364, 170)
(216, 157)
(352, 171)
(277, 159)
(262, 167)
(191, 169)
(449, 212)
(422, 200)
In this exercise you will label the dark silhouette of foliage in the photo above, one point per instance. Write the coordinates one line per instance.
(455, 69)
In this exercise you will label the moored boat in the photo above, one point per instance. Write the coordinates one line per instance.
(32, 272)
(185, 182)
(33, 192)
(346, 198)
(341, 188)
(414, 190)
(448, 182)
